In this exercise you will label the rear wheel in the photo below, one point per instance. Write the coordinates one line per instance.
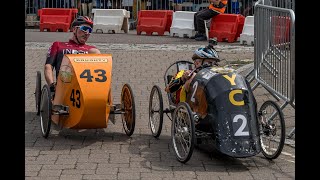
(272, 129)
(45, 111)
(155, 111)
(183, 132)
(37, 92)
(128, 107)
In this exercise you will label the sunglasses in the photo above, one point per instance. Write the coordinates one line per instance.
(208, 63)
(85, 29)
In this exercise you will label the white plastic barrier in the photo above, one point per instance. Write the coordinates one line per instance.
(182, 24)
(114, 20)
(247, 35)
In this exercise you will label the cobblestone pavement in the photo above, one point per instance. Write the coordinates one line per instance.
(109, 153)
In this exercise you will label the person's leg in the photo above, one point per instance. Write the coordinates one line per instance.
(205, 15)
(26, 8)
(90, 10)
(195, 26)
(195, 21)
(84, 9)
(42, 4)
(36, 7)
(79, 6)
(98, 4)
(59, 4)
(72, 4)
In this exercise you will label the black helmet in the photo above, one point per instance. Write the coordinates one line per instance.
(82, 20)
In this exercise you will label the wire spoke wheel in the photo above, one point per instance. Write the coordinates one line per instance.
(155, 111)
(37, 92)
(128, 107)
(272, 129)
(183, 132)
(45, 111)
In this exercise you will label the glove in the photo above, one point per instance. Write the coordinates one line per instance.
(53, 87)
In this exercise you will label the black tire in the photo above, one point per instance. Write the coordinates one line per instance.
(128, 107)
(37, 92)
(45, 111)
(154, 123)
(178, 132)
(270, 130)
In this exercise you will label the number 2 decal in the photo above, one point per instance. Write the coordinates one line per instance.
(240, 131)
(100, 72)
(195, 86)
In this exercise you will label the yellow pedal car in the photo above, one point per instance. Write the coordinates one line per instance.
(83, 98)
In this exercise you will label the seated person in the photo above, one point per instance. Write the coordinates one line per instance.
(179, 84)
(82, 28)
(215, 8)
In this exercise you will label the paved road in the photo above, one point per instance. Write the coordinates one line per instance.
(109, 153)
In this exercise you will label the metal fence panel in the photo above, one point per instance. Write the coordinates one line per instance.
(244, 7)
(274, 58)
(288, 4)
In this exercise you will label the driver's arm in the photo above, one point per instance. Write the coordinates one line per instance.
(174, 85)
(48, 67)
(177, 82)
(48, 73)
(187, 84)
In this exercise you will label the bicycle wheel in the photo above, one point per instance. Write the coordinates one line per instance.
(37, 92)
(155, 111)
(272, 129)
(183, 132)
(128, 106)
(45, 111)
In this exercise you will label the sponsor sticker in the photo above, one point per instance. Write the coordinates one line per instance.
(92, 60)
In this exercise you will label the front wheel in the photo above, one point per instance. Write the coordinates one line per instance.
(128, 108)
(272, 129)
(37, 92)
(155, 111)
(45, 111)
(183, 132)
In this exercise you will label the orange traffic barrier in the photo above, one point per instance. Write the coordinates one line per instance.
(226, 27)
(150, 21)
(240, 25)
(56, 19)
(169, 19)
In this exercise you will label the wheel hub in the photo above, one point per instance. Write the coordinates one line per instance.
(183, 132)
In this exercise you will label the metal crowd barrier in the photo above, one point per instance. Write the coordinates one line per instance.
(274, 52)
(287, 4)
(244, 7)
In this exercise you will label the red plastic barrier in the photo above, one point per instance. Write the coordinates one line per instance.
(56, 19)
(150, 21)
(169, 19)
(240, 25)
(281, 29)
(226, 27)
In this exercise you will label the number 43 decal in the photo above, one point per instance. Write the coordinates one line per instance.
(75, 98)
(100, 73)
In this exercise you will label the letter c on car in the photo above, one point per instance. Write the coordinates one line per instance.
(232, 100)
